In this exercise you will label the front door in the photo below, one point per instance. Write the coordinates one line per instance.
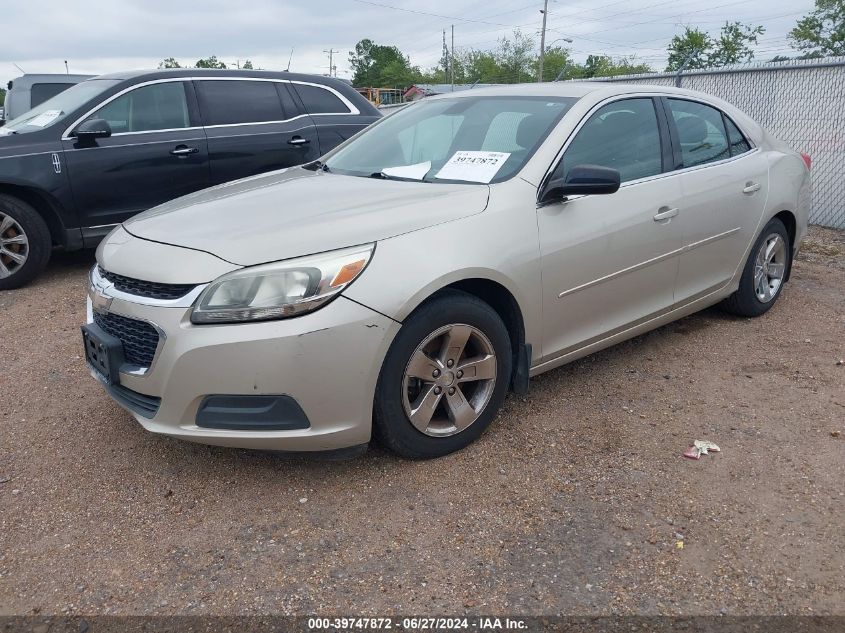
(154, 154)
(610, 261)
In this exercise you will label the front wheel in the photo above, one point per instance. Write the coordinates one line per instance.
(25, 243)
(444, 378)
(764, 273)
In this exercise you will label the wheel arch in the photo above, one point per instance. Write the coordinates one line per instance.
(791, 223)
(44, 204)
(504, 303)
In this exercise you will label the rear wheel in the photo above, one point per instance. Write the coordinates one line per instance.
(444, 378)
(764, 273)
(25, 243)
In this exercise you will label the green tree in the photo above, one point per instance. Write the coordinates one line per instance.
(557, 61)
(480, 67)
(209, 62)
(247, 65)
(733, 44)
(2, 96)
(170, 62)
(379, 66)
(515, 58)
(690, 50)
(822, 32)
(607, 66)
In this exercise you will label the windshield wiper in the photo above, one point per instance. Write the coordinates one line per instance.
(317, 164)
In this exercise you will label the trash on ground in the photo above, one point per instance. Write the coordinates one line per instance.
(701, 447)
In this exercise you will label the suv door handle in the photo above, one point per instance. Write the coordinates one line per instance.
(665, 213)
(298, 140)
(751, 187)
(183, 150)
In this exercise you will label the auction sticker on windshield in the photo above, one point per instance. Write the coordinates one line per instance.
(473, 166)
(45, 118)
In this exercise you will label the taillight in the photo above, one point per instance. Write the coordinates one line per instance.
(807, 160)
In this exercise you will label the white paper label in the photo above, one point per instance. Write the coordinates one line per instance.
(414, 172)
(45, 118)
(473, 166)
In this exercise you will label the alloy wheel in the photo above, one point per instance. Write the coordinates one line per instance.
(14, 246)
(769, 267)
(449, 380)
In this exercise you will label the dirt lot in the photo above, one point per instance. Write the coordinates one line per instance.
(575, 501)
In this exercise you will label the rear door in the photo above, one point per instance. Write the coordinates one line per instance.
(157, 152)
(609, 262)
(253, 126)
(724, 182)
(335, 117)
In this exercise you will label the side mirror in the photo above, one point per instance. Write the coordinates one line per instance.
(581, 179)
(93, 128)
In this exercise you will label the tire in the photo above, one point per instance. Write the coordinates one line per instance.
(756, 295)
(23, 234)
(449, 316)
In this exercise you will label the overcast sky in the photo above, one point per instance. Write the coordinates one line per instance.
(110, 35)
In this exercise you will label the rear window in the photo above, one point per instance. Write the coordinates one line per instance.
(41, 92)
(319, 100)
(239, 102)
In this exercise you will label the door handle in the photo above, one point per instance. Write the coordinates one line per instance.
(183, 150)
(665, 213)
(751, 187)
(298, 140)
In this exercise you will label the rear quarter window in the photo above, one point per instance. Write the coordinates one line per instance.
(319, 100)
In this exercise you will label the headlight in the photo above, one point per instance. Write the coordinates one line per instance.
(280, 290)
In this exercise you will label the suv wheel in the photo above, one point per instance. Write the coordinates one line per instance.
(25, 243)
(444, 378)
(764, 273)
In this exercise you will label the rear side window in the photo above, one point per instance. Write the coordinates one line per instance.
(239, 102)
(319, 100)
(622, 135)
(39, 93)
(701, 132)
(739, 144)
(161, 106)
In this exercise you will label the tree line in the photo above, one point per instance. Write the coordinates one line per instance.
(515, 59)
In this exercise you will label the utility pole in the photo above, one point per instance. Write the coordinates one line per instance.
(452, 59)
(331, 53)
(445, 59)
(545, 12)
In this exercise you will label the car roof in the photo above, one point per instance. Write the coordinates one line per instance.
(575, 89)
(164, 73)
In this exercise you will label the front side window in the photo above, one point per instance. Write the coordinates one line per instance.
(622, 135)
(239, 102)
(434, 137)
(161, 106)
(701, 132)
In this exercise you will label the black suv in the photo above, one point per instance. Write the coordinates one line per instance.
(107, 148)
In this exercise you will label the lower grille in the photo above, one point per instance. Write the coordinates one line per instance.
(148, 289)
(143, 405)
(139, 338)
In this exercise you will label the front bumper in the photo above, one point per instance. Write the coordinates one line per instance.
(327, 361)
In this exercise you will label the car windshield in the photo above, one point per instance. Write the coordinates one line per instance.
(465, 139)
(56, 109)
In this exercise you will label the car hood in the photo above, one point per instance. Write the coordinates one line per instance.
(299, 212)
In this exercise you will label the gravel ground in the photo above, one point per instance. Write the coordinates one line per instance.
(576, 501)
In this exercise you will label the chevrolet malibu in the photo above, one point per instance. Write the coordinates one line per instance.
(399, 286)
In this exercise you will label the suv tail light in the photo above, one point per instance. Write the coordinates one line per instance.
(807, 160)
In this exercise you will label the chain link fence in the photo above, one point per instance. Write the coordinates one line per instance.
(802, 102)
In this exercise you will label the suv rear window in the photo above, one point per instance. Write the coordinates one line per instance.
(39, 93)
(319, 100)
(239, 102)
